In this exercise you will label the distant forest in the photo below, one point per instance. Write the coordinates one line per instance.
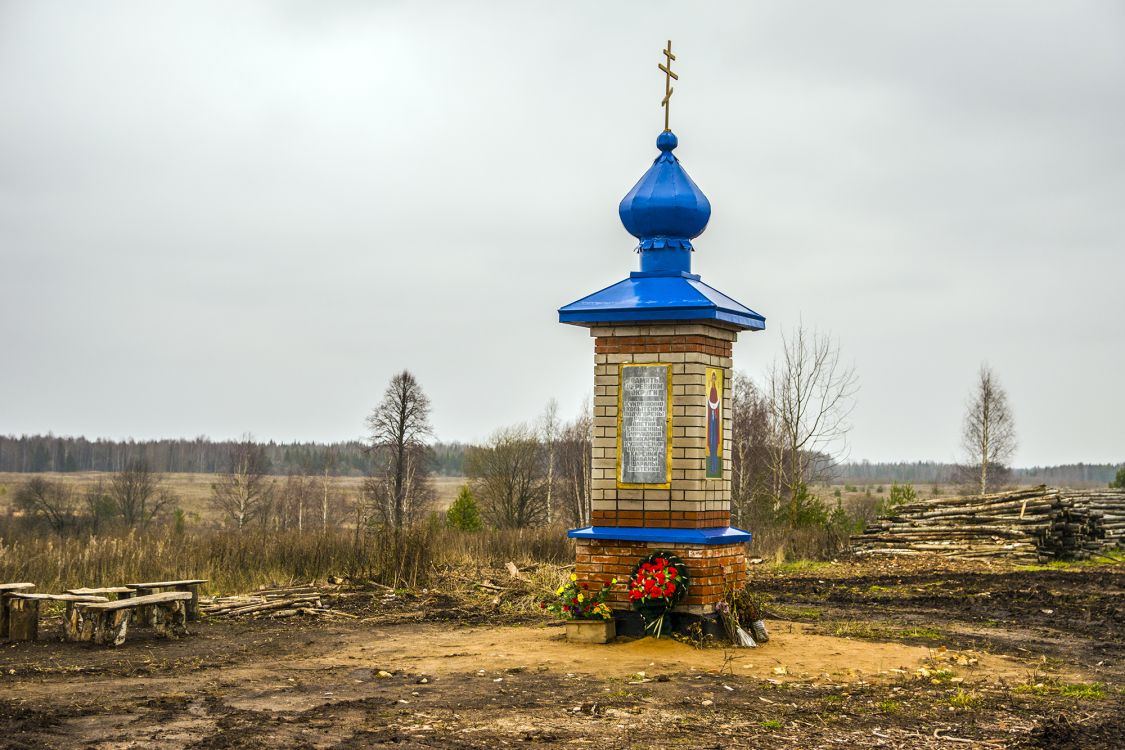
(932, 472)
(38, 453)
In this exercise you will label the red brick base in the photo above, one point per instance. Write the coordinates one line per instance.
(713, 569)
(662, 519)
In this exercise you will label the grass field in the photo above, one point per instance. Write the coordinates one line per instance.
(193, 491)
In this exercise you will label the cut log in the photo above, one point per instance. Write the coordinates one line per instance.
(170, 620)
(23, 619)
(111, 626)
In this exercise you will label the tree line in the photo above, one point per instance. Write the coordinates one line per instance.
(934, 472)
(789, 438)
(51, 453)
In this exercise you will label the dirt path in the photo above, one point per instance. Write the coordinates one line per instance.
(857, 673)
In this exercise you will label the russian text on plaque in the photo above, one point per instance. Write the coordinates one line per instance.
(642, 439)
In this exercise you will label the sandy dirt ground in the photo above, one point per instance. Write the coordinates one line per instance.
(885, 654)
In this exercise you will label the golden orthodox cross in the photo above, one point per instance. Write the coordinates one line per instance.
(669, 76)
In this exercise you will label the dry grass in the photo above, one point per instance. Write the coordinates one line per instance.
(234, 562)
(239, 562)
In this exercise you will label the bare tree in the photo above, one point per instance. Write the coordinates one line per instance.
(399, 488)
(989, 432)
(574, 465)
(245, 491)
(51, 500)
(549, 434)
(137, 493)
(811, 396)
(509, 478)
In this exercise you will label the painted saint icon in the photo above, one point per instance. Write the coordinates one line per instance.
(714, 423)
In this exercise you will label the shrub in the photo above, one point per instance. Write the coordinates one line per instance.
(1119, 480)
(804, 509)
(901, 494)
(464, 514)
(179, 522)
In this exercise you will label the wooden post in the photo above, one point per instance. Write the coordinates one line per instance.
(72, 623)
(87, 625)
(23, 619)
(4, 615)
(192, 605)
(168, 619)
(111, 627)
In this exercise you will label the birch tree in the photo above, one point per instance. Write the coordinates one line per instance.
(989, 432)
(573, 472)
(549, 434)
(245, 492)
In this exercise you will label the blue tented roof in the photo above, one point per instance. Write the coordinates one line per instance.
(659, 298)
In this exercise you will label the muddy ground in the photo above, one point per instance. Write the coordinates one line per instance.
(895, 654)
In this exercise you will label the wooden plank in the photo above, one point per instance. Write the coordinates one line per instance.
(139, 601)
(102, 590)
(60, 597)
(15, 586)
(167, 584)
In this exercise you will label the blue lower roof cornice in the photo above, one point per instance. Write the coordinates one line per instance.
(717, 535)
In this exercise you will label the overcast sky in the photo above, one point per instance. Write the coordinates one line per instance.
(219, 218)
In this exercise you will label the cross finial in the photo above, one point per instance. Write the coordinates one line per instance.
(669, 76)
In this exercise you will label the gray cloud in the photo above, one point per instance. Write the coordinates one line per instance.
(217, 219)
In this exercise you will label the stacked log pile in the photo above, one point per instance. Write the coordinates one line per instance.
(274, 603)
(1030, 526)
(1110, 505)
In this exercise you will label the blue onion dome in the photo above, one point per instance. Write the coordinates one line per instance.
(665, 209)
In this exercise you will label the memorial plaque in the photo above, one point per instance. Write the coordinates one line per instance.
(644, 424)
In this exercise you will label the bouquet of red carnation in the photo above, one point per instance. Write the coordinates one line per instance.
(658, 583)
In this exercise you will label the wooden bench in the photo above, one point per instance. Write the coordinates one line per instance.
(6, 590)
(190, 585)
(106, 623)
(23, 612)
